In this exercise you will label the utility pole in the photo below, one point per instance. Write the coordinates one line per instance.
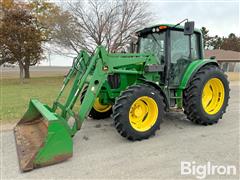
(49, 58)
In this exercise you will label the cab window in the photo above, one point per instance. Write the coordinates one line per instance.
(153, 43)
(180, 54)
(180, 46)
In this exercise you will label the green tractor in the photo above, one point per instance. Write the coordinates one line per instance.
(166, 70)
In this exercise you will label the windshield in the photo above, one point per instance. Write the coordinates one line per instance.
(153, 43)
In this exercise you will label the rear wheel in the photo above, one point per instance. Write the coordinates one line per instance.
(206, 98)
(138, 111)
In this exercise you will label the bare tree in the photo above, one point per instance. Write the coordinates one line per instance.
(107, 23)
(65, 32)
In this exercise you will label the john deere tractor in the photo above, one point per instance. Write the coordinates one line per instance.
(166, 70)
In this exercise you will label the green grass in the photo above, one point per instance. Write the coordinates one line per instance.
(15, 96)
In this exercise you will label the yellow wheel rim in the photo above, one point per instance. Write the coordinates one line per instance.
(101, 107)
(213, 96)
(143, 113)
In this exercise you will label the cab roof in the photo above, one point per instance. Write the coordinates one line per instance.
(178, 27)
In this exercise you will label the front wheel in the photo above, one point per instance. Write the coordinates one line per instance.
(138, 111)
(99, 110)
(206, 98)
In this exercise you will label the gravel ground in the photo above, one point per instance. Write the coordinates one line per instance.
(101, 153)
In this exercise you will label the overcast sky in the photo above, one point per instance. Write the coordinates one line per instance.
(220, 17)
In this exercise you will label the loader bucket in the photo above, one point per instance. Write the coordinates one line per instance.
(42, 137)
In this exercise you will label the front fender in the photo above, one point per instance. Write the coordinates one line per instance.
(166, 99)
(193, 68)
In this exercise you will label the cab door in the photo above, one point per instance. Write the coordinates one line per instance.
(180, 56)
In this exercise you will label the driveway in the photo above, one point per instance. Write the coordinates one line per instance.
(100, 152)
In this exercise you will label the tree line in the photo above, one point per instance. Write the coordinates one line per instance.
(231, 42)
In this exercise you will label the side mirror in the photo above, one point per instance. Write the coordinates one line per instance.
(189, 28)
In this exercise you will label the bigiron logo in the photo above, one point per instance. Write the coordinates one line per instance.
(203, 170)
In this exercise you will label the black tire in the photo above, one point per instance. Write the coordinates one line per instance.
(99, 115)
(192, 96)
(122, 107)
(94, 114)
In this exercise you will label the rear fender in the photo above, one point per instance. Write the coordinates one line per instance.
(192, 69)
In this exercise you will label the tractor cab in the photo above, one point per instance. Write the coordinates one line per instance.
(174, 46)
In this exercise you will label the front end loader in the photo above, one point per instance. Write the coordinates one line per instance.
(166, 70)
(44, 135)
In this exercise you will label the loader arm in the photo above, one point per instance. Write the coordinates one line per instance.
(44, 134)
(92, 73)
